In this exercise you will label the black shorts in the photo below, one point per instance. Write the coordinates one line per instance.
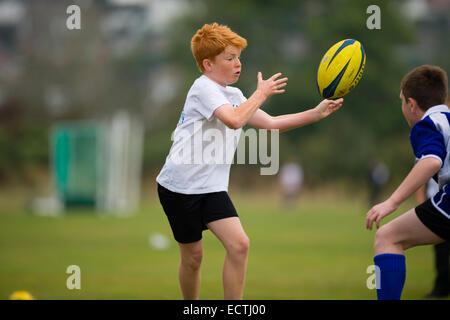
(434, 220)
(188, 214)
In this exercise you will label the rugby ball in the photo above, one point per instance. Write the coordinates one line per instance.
(340, 69)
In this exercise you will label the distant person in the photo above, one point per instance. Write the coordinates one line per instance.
(422, 93)
(194, 193)
(379, 176)
(441, 288)
(291, 179)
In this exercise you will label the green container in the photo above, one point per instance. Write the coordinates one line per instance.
(75, 157)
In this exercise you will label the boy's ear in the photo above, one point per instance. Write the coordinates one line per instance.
(413, 103)
(207, 64)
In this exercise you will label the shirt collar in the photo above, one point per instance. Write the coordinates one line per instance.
(437, 108)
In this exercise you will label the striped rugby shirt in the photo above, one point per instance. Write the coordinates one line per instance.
(430, 137)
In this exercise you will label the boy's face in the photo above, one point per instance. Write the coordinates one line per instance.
(225, 69)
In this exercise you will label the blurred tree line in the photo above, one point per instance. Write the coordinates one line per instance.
(68, 75)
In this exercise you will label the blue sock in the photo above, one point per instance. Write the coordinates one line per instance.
(392, 277)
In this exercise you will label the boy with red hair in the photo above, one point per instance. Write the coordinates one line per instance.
(193, 192)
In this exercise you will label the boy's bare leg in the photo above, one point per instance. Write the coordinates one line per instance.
(236, 243)
(402, 233)
(189, 270)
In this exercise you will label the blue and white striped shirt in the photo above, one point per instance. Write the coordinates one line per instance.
(430, 137)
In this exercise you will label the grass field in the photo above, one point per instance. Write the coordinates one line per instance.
(320, 250)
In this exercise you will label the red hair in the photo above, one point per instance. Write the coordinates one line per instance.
(211, 40)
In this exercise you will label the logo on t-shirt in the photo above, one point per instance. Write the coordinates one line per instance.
(181, 118)
(235, 105)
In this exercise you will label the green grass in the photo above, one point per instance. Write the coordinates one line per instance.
(320, 250)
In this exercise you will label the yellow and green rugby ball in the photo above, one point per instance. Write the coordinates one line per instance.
(341, 69)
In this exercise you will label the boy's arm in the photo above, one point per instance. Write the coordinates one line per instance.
(420, 194)
(262, 120)
(418, 176)
(236, 118)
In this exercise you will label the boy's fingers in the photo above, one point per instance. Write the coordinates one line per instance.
(371, 220)
(275, 76)
(336, 102)
(281, 80)
(259, 76)
(368, 220)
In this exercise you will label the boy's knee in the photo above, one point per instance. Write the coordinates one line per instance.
(193, 261)
(240, 246)
(387, 241)
(381, 239)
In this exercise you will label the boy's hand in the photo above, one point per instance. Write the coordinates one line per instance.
(378, 212)
(327, 107)
(271, 86)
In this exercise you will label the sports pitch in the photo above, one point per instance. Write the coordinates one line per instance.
(319, 250)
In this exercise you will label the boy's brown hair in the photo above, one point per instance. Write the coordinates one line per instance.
(425, 84)
(211, 40)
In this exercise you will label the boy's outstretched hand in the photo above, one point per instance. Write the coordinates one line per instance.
(327, 107)
(272, 85)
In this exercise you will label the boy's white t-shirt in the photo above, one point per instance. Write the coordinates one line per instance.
(203, 146)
